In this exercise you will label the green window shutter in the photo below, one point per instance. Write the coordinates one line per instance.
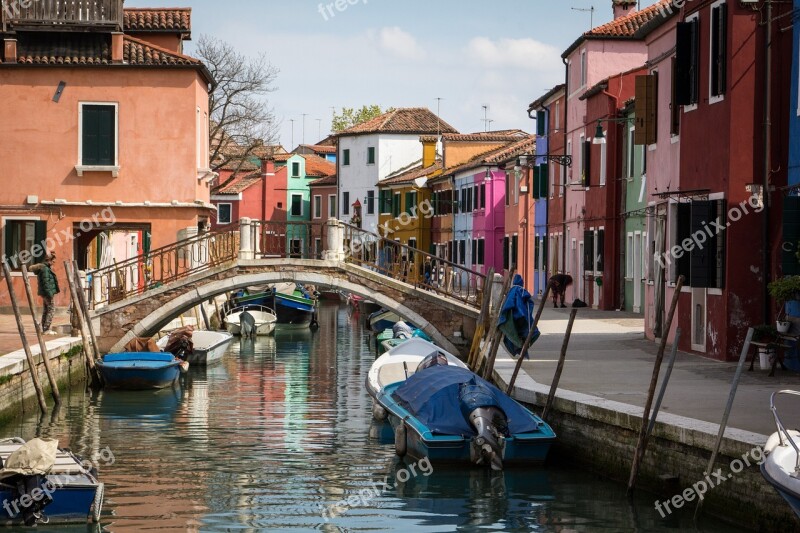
(790, 263)
(8, 234)
(40, 238)
(540, 124)
(537, 186)
(408, 203)
(99, 135)
(544, 180)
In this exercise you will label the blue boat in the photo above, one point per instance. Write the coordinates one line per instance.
(382, 320)
(296, 309)
(139, 371)
(60, 489)
(449, 414)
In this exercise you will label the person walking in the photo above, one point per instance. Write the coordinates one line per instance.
(48, 288)
(559, 284)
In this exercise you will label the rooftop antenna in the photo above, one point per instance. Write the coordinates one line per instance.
(304, 128)
(438, 116)
(486, 121)
(292, 121)
(319, 129)
(589, 9)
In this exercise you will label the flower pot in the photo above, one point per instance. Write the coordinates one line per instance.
(765, 358)
(783, 326)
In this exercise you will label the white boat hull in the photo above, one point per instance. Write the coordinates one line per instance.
(208, 346)
(265, 322)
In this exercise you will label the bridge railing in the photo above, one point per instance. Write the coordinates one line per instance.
(288, 240)
(163, 265)
(415, 267)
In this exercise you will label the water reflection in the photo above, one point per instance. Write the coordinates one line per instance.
(278, 431)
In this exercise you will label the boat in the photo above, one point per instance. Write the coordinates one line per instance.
(400, 362)
(781, 466)
(68, 491)
(265, 319)
(295, 310)
(207, 346)
(140, 371)
(383, 319)
(451, 415)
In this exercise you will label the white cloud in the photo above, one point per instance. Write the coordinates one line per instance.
(400, 44)
(515, 53)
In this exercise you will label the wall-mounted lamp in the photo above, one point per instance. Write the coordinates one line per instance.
(600, 134)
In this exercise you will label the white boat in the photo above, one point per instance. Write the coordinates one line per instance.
(208, 346)
(399, 363)
(781, 468)
(265, 319)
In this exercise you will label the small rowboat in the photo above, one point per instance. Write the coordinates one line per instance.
(265, 319)
(140, 371)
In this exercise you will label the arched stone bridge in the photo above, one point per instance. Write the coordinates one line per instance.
(449, 321)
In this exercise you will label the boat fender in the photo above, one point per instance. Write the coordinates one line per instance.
(400, 443)
(97, 504)
(378, 412)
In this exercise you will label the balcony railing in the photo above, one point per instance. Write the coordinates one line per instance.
(61, 15)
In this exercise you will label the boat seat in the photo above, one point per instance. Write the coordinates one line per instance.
(394, 372)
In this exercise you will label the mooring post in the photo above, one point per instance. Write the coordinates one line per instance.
(21, 327)
(664, 382)
(40, 334)
(88, 349)
(560, 368)
(724, 424)
(642, 444)
(496, 337)
(529, 338)
(480, 324)
(84, 308)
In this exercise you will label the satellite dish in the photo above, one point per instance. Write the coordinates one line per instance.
(421, 182)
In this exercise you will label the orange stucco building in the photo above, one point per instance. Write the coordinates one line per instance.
(104, 138)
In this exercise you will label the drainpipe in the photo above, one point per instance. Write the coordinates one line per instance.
(765, 262)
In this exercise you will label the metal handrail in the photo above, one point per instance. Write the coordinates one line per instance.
(447, 278)
(167, 264)
(781, 428)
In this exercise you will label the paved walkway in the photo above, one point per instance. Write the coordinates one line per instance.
(9, 334)
(610, 358)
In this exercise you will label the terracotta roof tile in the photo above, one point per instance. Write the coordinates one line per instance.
(323, 182)
(403, 120)
(138, 52)
(417, 171)
(281, 157)
(496, 156)
(328, 149)
(158, 20)
(317, 166)
(484, 137)
(237, 183)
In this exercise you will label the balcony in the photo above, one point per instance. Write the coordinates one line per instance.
(61, 15)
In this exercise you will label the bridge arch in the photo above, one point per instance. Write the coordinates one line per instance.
(450, 324)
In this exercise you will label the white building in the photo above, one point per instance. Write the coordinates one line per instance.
(371, 151)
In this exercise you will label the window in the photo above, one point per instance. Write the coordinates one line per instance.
(346, 203)
(506, 244)
(458, 201)
(24, 242)
(346, 157)
(370, 202)
(396, 207)
(629, 257)
(687, 54)
(98, 135)
(514, 249)
(468, 201)
(332, 205)
(603, 163)
(317, 206)
(474, 250)
(631, 152)
(541, 124)
(297, 205)
(675, 109)
(224, 213)
(481, 251)
(462, 251)
(517, 179)
(371, 155)
(483, 196)
(558, 116)
(295, 170)
(508, 191)
(411, 203)
(718, 50)
(702, 266)
(412, 243)
(385, 200)
(583, 68)
(318, 248)
(475, 197)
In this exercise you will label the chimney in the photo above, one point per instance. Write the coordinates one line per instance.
(268, 167)
(10, 50)
(429, 143)
(117, 52)
(623, 8)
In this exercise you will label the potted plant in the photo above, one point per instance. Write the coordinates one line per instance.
(784, 290)
(766, 334)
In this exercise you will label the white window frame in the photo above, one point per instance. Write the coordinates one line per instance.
(581, 141)
(568, 170)
(291, 204)
(629, 257)
(17, 273)
(375, 156)
(603, 161)
(551, 177)
(584, 68)
(713, 99)
(317, 206)
(332, 205)
(80, 167)
(558, 115)
(631, 155)
(230, 206)
(299, 169)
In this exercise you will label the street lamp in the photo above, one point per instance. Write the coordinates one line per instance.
(600, 134)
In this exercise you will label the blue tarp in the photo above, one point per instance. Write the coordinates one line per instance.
(516, 317)
(434, 395)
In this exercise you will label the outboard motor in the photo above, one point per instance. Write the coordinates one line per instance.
(434, 359)
(248, 323)
(480, 408)
(30, 488)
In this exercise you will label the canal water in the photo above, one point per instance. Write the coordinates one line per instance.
(276, 437)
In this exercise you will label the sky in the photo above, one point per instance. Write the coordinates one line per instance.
(502, 54)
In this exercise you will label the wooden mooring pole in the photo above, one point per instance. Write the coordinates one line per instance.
(84, 308)
(88, 350)
(560, 368)
(664, 382)
(493, 341)
(641, 446)
(481, 324)
(724, 424)
(40, 335)
(28, 355)
(529, 338)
